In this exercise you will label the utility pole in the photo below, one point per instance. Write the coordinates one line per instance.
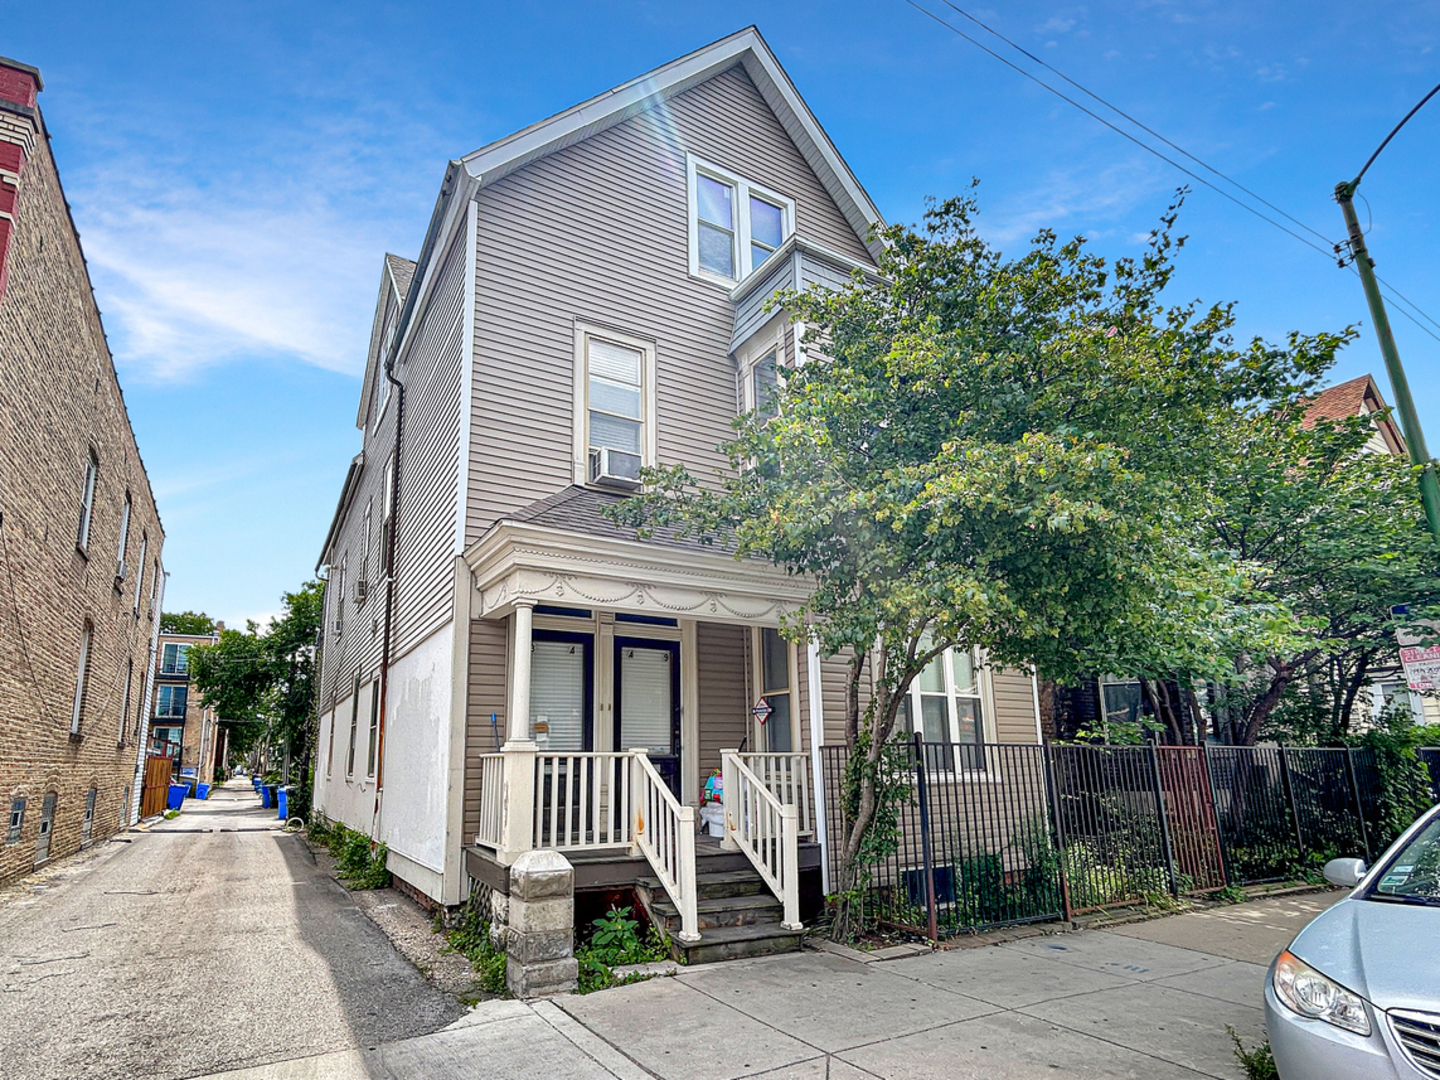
(1399, 385)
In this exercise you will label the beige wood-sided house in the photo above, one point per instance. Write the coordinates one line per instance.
(588, 300)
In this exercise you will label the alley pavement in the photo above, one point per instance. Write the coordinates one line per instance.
(1142, 1002)
(204, 943)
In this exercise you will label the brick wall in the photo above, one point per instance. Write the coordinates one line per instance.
(60, 403)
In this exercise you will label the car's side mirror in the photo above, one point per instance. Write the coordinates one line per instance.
(1344, 872)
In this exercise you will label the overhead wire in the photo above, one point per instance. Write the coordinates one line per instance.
(1329, 253)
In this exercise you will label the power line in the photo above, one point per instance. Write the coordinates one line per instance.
(1329, 254)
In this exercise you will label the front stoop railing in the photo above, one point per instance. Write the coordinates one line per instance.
(664, 833)
(766, 829)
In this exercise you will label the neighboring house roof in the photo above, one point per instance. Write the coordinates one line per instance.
(347, 492)
(579, 509)
(1356, 397)
(401, 271)
(396, 277)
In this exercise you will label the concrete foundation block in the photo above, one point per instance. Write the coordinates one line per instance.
(541, 875)
(543, 979)
(539, 946)
(540, 935)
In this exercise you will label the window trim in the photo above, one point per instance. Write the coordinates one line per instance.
(696, 167)
(87, 502)
(82, 672)
(354, 728)
(372, 738)
(984, 694)
(140, 571)
(757, 676)
(580, 418)
(120, 568)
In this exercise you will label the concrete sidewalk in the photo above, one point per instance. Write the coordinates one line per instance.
(1148, 1002)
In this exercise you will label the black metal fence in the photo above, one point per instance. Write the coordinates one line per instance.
(999, 834)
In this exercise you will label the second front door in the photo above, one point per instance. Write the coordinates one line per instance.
(647, 702)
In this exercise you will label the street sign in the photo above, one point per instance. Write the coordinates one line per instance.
(762, 710)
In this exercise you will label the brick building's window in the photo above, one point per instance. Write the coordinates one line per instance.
(140, 571)
(170, 702)
(125, 700)
(17, 821)
(87, 500)
(120, 567)
(174, 659)
(81, 672)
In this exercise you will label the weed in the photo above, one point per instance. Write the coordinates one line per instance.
(1230, 894)
(1259, 1063)
(171, 815)
(470, 937)
(615, 940)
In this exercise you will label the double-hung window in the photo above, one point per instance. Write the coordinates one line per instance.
(735, 224)
(124, 541)
(354, 727)
(87, 500)
(170, 702)
(81, 674)
(614, 407)
(374, 728)
(140, 572)
(174, 659)
(944, 704)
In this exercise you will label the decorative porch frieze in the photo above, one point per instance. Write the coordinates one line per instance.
(516, 562)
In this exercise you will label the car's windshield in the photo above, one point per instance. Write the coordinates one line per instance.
(1413, 875)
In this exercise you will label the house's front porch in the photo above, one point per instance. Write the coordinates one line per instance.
(636, 674)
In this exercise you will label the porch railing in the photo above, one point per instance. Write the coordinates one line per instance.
(787, 777)
(664, 832)
(492, 799)
(582, 801)
(766, 829)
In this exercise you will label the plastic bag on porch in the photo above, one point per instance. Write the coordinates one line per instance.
(712, 819)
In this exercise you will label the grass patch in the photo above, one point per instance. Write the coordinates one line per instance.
(470, 937)
(1259, 1063)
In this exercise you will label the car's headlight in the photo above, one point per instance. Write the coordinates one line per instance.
(1312, 995)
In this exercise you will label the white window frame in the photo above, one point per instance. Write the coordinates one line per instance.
(752, 353)
(87, 501)
(120, 567)
(757, 663)
(372, 739)
(354, 728)
(140, 571)
(983, 694)
(584, 332)
(81, 673)
(125, 701)
(388, 329)
(743, 188)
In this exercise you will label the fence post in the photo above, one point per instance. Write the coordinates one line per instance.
(1215, 813)
(922, 793)
(1359, 806)
(1048, 752)
(1294, 808)
(1164, 819)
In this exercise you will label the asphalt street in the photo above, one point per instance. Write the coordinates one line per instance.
(209, 942)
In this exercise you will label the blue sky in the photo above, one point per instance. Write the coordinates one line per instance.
(238, 169)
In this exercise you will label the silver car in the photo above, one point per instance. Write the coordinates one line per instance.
(1357, 993)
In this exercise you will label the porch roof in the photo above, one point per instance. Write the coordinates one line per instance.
(562, 550)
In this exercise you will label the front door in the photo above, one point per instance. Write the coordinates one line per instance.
(647, 702)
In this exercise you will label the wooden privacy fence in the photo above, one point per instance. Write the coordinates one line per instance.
(990, 835)
(156, 785)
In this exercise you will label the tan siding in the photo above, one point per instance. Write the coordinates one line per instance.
(834, 683)
(1014, 706)
(724, 703)
(424, 573)
(598, 232)
(487, 695)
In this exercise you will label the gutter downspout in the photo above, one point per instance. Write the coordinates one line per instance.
(389, 586)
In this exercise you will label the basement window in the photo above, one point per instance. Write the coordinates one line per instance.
(17, 822)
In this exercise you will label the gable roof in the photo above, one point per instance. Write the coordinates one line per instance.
(395, 278)
(746, 49)
(1354, 397)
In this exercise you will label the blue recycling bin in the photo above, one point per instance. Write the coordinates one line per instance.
(177, 796)
(265, 792)
(202, 791)
(282, 795)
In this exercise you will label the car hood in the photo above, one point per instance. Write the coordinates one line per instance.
(1381, 951)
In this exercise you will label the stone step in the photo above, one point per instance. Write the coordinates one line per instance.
(737, 943)
(720, 911)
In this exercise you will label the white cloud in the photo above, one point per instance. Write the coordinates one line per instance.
(1073, 200)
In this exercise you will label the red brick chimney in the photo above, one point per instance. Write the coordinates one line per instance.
(19, 128)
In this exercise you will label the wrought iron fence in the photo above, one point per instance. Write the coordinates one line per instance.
(998, 834)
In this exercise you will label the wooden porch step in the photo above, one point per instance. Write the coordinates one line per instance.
(738, 943)
(717, 884)
(721, 911)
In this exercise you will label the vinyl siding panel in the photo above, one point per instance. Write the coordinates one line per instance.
(598, 232)
(488, 646)
(431, 370)
(724, 700)
(834, 682)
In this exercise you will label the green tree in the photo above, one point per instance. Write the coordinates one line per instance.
(262, 681)
(186, 622)
(1002, 453)
(1337, 537)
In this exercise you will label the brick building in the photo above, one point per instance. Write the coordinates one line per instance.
(80, 540)
(181, 728)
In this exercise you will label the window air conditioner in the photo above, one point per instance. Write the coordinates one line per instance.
(338, 626)
(615, 468)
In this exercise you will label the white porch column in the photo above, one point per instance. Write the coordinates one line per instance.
(517, 820)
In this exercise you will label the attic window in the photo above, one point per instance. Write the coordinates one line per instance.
(735, 225)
